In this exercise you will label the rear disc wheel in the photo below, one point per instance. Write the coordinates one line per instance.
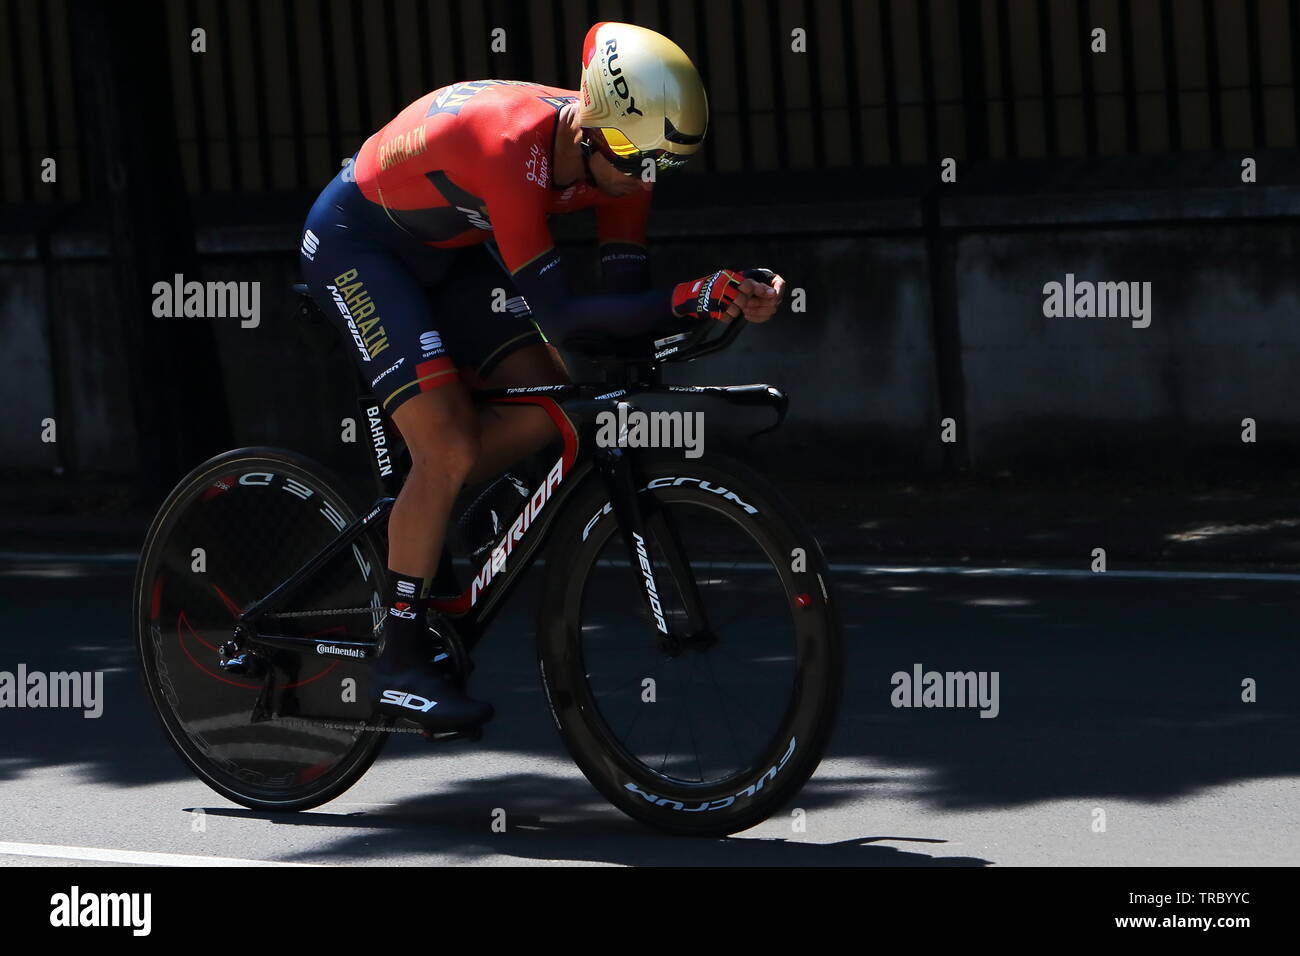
(231, 531)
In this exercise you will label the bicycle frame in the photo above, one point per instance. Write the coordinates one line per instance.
(474, 608)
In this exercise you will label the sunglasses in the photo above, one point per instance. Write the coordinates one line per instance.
(626, 158)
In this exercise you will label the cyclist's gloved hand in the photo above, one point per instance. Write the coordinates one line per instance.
(711, 297)
(728, 293)
(760, 294)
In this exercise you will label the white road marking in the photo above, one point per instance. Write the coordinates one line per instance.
(137, 857)
(1140, 573)
(839, 567)
(20, 557)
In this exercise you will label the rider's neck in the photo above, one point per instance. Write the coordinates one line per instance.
(567, 163)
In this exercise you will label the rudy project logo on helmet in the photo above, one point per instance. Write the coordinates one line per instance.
(616, 82)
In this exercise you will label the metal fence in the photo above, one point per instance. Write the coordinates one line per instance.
(287, 88)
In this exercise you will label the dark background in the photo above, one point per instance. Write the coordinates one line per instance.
(924, 299)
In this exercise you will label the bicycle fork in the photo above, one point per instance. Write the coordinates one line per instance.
(643, 522)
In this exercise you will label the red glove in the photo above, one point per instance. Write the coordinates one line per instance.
(707, 298)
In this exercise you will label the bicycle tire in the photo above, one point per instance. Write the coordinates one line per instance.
(795, 747)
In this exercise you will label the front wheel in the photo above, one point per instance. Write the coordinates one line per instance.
(716, 737)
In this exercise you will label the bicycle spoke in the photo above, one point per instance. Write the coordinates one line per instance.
(677, 718)
(690, 725)
(740, 707)
(638, 711)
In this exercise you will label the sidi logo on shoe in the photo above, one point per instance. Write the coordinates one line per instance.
(403, 610)
(410, 701)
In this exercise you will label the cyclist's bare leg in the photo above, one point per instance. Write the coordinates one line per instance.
(451, 444)
(441, 430)
(448, 442)
(508, 433)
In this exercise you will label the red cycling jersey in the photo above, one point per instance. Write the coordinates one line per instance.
(472, 162)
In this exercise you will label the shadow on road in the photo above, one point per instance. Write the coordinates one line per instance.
(1124, 689)
(455, 822)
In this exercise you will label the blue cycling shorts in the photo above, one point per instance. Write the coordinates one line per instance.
(416, 318)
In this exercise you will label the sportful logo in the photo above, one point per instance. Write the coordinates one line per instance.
(431, 342)
(406, 588)
(496, 563)
(310, 244)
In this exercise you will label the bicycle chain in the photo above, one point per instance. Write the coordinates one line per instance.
(325, 612)
(334, 724)
(339, 725)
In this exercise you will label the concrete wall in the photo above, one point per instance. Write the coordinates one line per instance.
(1223, 344)
(1036, 393)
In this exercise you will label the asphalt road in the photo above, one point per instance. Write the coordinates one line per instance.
(1120, 701)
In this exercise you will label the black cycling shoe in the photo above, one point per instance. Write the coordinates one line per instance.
(425, 695)
(408, 684)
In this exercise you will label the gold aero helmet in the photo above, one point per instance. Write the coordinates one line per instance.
(641, 97)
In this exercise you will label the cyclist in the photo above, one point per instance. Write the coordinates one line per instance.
(438, 222)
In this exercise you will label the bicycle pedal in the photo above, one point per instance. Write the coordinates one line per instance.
(245, 664)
